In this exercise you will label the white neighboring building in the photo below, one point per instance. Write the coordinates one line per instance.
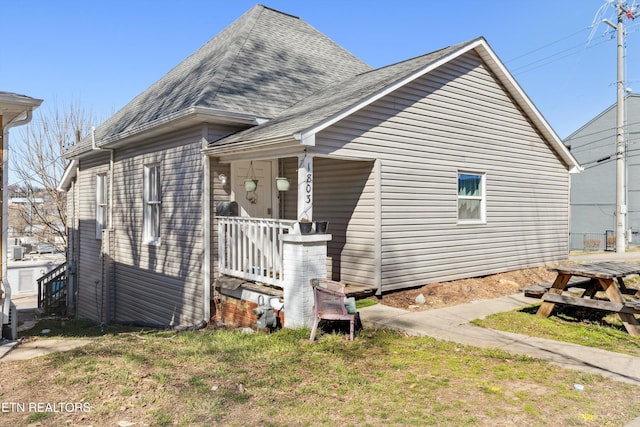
(23, 274)
(15, 110)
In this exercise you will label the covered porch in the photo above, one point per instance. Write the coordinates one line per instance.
(256, 235)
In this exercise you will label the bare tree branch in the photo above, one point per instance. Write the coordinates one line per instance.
(36, 159)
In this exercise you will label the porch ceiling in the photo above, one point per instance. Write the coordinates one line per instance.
(261, 150)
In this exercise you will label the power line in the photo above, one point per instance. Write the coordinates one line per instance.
(530, 67)
(547, 45)
(517, 69)
(599, 131)
(524, 68)
(595, 141)
(611, 158)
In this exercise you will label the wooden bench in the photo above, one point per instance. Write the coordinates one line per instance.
(537, 291)
(614, 307)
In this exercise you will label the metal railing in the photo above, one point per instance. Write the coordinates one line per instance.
(251, 248)
(52, 291)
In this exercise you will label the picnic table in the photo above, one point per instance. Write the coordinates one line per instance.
(606, 276)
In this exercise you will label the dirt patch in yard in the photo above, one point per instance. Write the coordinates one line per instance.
(436, 295)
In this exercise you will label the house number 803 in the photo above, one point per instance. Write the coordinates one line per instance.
(308, 188)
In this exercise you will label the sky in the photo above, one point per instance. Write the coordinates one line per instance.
(100, 54)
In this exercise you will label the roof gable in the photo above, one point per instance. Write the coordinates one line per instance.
(333, 103)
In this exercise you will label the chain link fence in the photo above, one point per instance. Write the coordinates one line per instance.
(599, 241)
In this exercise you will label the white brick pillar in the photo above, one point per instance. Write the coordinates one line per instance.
(305, 258)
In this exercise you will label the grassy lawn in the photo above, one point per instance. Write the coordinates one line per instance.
(588, 327)
(224, 377)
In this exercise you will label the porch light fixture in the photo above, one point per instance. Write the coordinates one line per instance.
(223, 179)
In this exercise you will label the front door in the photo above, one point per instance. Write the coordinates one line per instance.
(257, 203)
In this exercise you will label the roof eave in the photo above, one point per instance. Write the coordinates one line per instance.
(306, 134)
(218, 150)
(68, 176)
(14, 106)
(190, 116)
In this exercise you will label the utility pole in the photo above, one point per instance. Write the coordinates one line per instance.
(621, 203)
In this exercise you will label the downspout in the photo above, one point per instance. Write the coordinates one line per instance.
(206, 228)
(111, 151)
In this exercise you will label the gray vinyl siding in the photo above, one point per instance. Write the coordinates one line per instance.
(160, 284)
(163, 284)
(134, 282)
(344, 195)
(89, 271)
(458, 118)
(289, 200)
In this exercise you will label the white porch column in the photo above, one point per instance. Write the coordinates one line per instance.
(304, 258)
(305, 187)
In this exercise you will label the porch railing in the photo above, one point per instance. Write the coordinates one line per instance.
(52, 291)
(250, 248)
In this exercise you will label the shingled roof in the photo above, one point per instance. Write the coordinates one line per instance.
(303, 120)
(258, 66)
(332, 100)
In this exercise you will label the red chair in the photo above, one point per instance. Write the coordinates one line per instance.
(330, 304)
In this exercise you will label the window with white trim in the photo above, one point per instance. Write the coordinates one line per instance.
(101, 204)
(152, 203)
(471, 197)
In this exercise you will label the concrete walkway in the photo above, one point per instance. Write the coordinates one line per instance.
(17, 350)
(29, 350)
(453, 324)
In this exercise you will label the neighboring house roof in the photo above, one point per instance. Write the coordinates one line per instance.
(13, 107)
(255, 68)
(632, 96)
(70, 173)
(313, 114)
